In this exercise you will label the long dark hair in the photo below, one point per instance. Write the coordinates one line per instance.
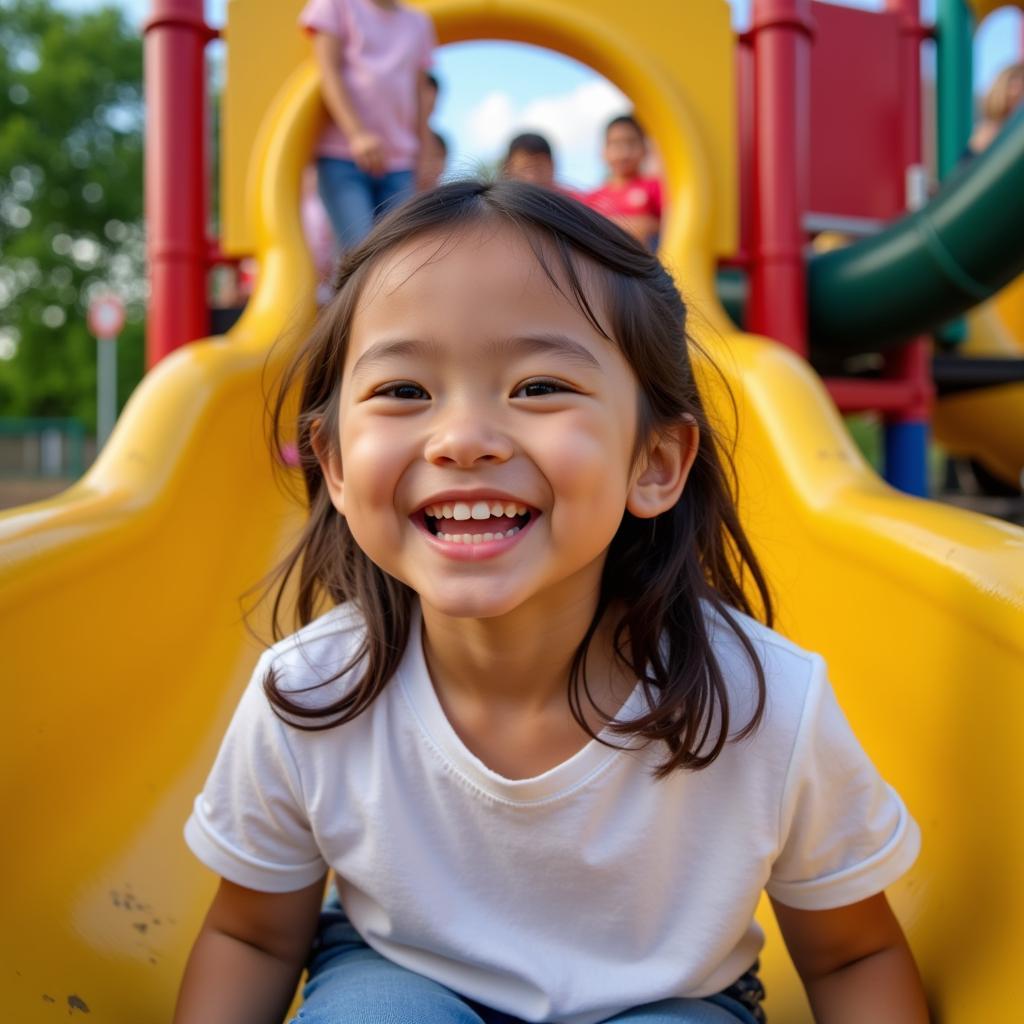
(664, 578)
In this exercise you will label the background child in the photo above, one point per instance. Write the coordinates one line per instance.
(549, 755)
(529, 158)
(1004, 96)
(628, 198)
(435, 159)
(373, 57)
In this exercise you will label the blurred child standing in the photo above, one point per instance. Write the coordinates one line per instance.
(373, 57)
(1004, 96)
(531, 159)
(628, 198)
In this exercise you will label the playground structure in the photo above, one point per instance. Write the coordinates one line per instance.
(124, 645)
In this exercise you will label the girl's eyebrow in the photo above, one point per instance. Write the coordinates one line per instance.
(541, 343)
(544, 343)
(396, 348)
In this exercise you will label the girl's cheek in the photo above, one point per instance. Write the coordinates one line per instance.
(585, 449)
(372, 459)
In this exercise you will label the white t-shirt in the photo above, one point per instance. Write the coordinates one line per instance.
(578, 893)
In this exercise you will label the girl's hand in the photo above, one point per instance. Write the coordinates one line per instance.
(368, 152)
(855, 963)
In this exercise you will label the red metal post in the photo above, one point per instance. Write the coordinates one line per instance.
(781, 32)
(176, 245)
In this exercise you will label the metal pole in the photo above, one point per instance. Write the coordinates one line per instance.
(781, 32)
(106, 389)
(175, 75)
(954, 36)
(907, 430)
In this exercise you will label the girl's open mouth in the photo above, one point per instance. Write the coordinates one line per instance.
(485, 521)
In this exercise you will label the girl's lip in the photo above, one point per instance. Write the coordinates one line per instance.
(463, 552)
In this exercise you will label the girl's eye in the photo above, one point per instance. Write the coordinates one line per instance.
(539, 388)
(402, 389)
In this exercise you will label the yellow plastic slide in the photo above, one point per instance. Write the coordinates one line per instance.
(124, 651)
(988, 424)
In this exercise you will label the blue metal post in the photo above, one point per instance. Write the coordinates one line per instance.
(906, 457)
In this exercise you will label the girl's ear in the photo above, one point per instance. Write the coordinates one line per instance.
(330, 465)
(662, 471)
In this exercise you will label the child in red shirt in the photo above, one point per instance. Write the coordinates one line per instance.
(629, 199)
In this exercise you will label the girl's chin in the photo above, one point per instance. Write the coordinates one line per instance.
(470, 603)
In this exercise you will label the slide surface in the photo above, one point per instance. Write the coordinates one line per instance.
(125, 651)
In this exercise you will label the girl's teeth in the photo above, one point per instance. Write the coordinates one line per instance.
(462, 510)
(475, 538)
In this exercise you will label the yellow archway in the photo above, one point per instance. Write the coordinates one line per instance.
(686, 100)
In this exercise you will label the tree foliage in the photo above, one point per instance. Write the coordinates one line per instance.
(71, 118)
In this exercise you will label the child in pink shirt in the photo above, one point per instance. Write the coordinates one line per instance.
(373, 57)
(628, 198)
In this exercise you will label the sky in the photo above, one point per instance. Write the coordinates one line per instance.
(492, 90)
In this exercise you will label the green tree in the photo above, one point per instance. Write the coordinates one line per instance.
(71, 118)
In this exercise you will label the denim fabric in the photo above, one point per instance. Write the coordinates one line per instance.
(354, 199)
(349, 983)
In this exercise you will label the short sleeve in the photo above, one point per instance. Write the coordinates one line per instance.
(846, 834)
(429, 44)
(323, 16)
(249, 823)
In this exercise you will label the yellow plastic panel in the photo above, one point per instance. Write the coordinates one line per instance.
(982, 8)
(1009, 305)
(674, 60)
(988, 424)
(264, 47)
(124, 651)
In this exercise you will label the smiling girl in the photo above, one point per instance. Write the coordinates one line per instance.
(539, 738)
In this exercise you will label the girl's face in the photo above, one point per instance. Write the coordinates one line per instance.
(486, 430)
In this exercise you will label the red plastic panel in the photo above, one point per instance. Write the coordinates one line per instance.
(855, 160)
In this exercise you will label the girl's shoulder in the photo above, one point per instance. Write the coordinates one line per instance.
(319, 663)
(793, 677)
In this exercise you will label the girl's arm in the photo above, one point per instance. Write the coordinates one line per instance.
(248, 956)
(367, 147)
(424, 108)
(854, 963)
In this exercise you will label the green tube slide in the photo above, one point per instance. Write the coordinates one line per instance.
(930, 266)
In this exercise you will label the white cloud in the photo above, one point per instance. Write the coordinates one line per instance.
(573, 122)
(489, 124)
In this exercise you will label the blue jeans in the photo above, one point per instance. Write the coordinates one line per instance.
(349, 983)
(354, 199)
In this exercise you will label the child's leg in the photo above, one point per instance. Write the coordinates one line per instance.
(392, 189)
(686, 1011)
(347, 194)
(349, 983)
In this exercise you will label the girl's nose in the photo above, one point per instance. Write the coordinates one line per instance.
(463, 439)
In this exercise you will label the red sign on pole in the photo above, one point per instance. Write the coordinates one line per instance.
(106, 316)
